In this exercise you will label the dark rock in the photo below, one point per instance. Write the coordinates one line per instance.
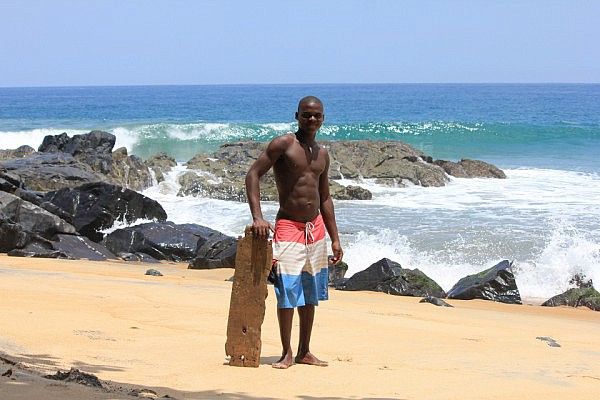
(161, 240)
(576, 297)
(76, 376)
(50, 171)
(218, 251)
(389, 277)
(496, 284)
(153, 272)
(93, 149)
(32, 197)
(12, 236)
(435, 301)
(38, 247)
(71, 247)
(31, 217)
(80, 247)
(96, 206)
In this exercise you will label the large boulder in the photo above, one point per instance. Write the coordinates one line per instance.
(50, 171)
(576, 297)
(31, 217)
(496, 284)
(96, 206)
(218, 251)
(389, 277)
(383, 160)
(160, 240)
(93, 149)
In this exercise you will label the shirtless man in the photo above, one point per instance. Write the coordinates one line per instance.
(301, 170)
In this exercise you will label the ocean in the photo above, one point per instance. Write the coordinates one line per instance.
(546, 137)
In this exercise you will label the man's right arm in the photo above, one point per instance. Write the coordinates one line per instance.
(260, 167)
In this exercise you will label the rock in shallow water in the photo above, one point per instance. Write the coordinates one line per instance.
(496, 284)
(389, 277)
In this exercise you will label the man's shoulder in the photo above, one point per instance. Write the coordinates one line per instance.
(283, 141)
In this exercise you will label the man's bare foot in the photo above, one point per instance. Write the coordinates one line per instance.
(284, 362)
(310, 359)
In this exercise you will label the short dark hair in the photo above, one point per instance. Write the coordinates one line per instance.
(309, 99)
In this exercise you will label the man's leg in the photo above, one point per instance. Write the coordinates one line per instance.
(304, 356)
(285, 316)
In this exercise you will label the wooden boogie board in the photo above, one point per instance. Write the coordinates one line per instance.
(248, 293)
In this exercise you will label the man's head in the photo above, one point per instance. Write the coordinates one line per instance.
(310, 114)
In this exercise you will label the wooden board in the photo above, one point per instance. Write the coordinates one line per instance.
(247, 306)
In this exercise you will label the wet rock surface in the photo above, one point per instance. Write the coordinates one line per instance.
(97, 206)
(496, 284)
(389, 277)
(160, 240)
(217, 251)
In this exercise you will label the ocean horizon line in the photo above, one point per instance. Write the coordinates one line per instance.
(307, 84)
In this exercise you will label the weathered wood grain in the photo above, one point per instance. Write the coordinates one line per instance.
(247, 306)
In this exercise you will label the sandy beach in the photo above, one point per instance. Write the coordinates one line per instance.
(168, 333)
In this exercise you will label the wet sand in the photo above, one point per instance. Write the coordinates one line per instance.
(168, 334)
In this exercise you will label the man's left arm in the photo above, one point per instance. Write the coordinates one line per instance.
(328, 213)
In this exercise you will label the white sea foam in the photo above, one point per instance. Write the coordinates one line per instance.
(545, 221)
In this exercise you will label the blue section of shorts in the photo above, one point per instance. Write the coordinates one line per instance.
(299, 290)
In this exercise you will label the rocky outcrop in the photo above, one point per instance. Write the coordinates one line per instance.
(496, 284)
(466, 168)
(96, 206)
(221, 174)
(160, 240)
(576, 297)
(93, 149)
(389, 277)
(63, 161)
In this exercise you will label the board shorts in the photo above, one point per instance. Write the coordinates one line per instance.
(300, 262)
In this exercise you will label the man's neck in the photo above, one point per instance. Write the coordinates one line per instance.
(304, 137)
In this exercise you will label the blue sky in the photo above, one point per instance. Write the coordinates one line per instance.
(92, 42)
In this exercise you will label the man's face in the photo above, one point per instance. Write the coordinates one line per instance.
(310, 116)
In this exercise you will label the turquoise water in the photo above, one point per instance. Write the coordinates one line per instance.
(546, 137)
(512, 125)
